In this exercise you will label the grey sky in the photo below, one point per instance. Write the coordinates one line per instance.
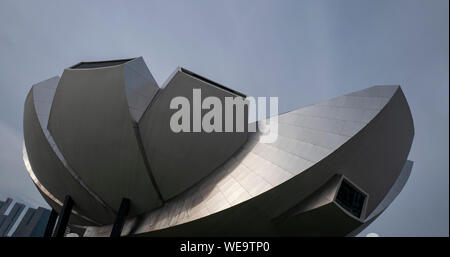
(301, 51)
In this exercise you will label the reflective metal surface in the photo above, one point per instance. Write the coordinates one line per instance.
(306, 137)
(48, 163)
(179, 160)
(43, 94)
(140, 87)
(43, 189)
(101, 134)
(92, 125)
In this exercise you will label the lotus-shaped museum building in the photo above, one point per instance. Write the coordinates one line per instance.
(99, 148)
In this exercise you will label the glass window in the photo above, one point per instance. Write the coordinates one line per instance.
(90, 65)
(350, 199)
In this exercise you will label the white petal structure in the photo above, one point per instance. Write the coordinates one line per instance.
(94, 129)
(43, 94)
(140, 87)
(47, 166)
(175, 163)
(104, 133)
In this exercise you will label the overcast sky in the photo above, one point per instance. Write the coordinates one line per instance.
(301, 51)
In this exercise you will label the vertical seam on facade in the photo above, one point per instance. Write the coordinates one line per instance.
(146, 161)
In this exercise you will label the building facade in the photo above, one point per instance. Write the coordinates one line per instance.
(31, 224)
(101, 134)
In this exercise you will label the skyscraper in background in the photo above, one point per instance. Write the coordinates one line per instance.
(31, 224)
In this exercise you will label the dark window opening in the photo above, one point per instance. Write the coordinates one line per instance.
(212, 82)
(90, 65)
(350, 199)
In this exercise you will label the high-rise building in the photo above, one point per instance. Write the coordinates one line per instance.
(7, 221)
(31, 224)
(3, 207)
